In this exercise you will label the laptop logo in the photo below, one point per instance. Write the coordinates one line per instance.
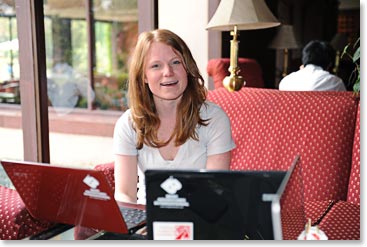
(171, 200)
(91, 181)
(171, 185)
(93, 192)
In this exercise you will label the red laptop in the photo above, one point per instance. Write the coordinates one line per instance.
(71, 196)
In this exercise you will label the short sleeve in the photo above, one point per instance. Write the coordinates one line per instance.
(219, 134)
(124, 136)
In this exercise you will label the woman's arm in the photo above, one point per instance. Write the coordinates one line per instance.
(219, 161)
(126, 178)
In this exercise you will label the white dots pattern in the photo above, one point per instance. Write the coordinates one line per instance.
(342, 222)
(15, 221)
(354, 179)
(316, 209)
(270, 127)
(292, 223)
(108, 170)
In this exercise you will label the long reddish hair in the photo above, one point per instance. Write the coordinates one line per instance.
(144, 114)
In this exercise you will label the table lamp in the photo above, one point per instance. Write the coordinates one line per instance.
(284, 40)
(235, 15)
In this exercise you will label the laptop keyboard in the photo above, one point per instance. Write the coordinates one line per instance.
(133, 216)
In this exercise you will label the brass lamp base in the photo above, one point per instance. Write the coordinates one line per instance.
(233, 82)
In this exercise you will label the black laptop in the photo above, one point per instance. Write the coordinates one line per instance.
(213, 205)
(210, 204)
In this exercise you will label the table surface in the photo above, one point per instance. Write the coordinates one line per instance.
(67, 232)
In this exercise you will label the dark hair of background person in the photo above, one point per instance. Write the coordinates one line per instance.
(319, 53)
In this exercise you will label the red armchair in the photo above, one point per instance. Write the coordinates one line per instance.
(250, 70)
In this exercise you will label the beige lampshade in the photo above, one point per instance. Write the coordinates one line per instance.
(284, 38)
(245, 14)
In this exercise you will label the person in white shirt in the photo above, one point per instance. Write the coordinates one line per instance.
(317, 59)
(169, 123)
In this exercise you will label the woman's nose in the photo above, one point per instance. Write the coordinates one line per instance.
(168, 70)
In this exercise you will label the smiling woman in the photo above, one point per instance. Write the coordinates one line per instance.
(169, 125)
(165, 73)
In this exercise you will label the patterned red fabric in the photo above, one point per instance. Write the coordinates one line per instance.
(15, 221)
(270, 127)
(316, 210)
(354, 179)
(293, 216)
(108, 170)
(250, 70)
(292, 225)
(342, 222)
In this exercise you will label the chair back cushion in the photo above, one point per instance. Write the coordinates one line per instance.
(15, 220)
(354, 179)
(108, 170)
(270, 127)
(250, 70)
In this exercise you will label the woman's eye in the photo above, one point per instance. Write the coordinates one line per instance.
(154, 66)
(176, 62)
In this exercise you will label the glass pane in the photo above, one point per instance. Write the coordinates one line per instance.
(116, 31)
(11, 135)
(83, 110)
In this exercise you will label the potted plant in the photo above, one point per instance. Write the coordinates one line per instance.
(352, 51)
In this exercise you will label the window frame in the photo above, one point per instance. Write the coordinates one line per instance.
(33, 78)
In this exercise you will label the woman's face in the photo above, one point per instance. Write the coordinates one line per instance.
(164, 72)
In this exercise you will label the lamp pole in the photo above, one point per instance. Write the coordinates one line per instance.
(285, 62)
(234, 82)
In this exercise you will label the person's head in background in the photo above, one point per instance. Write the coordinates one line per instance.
(319, 53)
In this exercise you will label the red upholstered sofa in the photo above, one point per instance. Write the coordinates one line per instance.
(270, 127)
(250, 70)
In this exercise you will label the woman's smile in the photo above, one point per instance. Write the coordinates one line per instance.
(169, 83)
(165, 72)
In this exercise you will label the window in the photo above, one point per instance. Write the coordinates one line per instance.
(11, 135)
(86, 47)
(86, 60)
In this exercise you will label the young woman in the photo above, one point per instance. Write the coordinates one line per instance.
(169, 124)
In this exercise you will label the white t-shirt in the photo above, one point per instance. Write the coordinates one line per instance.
(215, 138)
(311, 78)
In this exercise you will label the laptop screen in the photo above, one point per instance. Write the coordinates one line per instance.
(67, 195)
(210, 204)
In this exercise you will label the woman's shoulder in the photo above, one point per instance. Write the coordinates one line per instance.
(210, 108)
(125, 117)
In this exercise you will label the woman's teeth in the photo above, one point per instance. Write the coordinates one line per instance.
(169, 83)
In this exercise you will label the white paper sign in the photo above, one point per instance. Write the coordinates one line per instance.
(173, 230)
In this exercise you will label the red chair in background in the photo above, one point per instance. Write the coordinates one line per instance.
(250, 70)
